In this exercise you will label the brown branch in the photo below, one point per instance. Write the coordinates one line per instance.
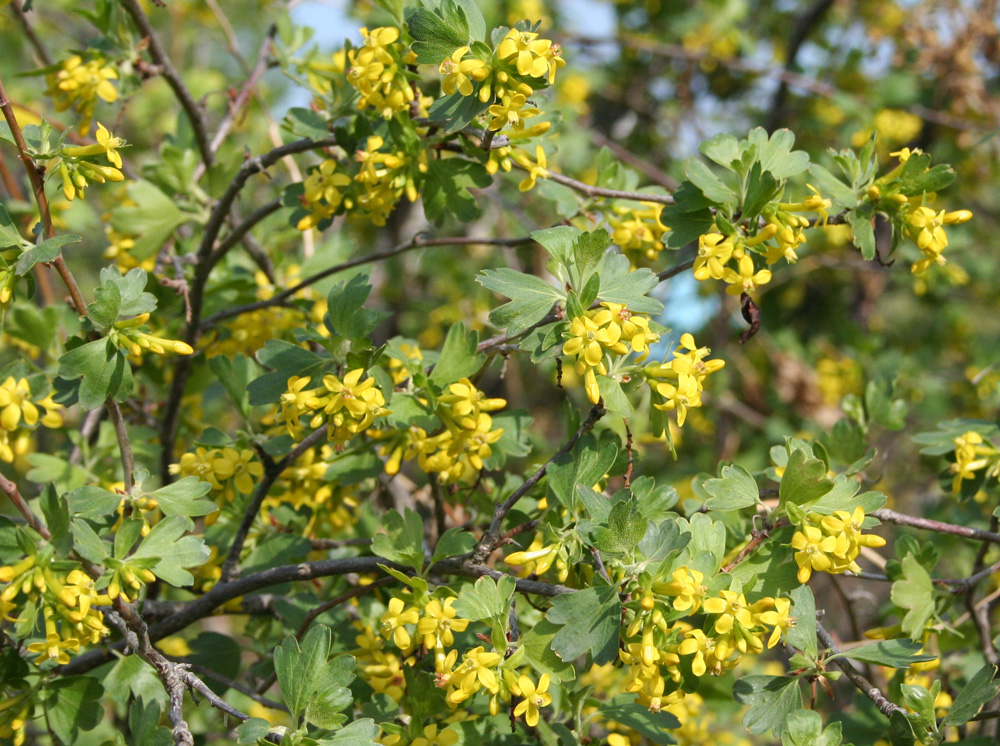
(124, 444)
(489, 540)
(871, 691)
(891, 516)
(596, 191)
(10, 489)
(38, 188)
(272, 470)
(170, 74)
(240, 231)
(414, 243)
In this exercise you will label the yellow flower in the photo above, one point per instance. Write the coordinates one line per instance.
(745, 279)
(439, 623)
(686, 588)
(511, 112)
(534, 698)
(774, 613)
(812, 551)
(714, 252)
(15, 404)
(536, 170)
(240, 466)
(460, 74)
(680, 397)
(394, 623)
(431, 737)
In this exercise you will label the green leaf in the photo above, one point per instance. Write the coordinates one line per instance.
(73, 704)
(760, 190)
(459, 357)
(538, 653)
(776, 154)
(362, 732)
(655, 726)
(346, 314)
(932, 180)
(152, 221)
(403, 540)
(621, 284)
(860, 220)
(915, 593)
(734, 491)
(235, 375)
(900, 730)
(131, 675)
(626, 528)
(487, 600)
(184, 497)
(881, 407)
(588, 251)
(175, 552)
(438, 33)
(613, 397)
(723, 149)
(298, 668)
(842, 196)
(453, 543)
(219, 653)
(252, 730)
(144, 724)
(56, 514)
(456, 111)
(589, 460)
(802, 636)
(805, 728)
(592, 622)
(446, 189)
(104, 369)
(981, 688)
(87, 543)
(93, 501)
(286, 360)
(710, 185)
(46, 251)
(899, 653)
(531, 298)
(770, 699)
(9, 234)
(804, 480)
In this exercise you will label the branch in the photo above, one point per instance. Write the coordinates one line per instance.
(173, 79)
(891, 516)
(29, 31)
(871, 691)
(415, 243)
(807, 21)
(489, 540)
(596, 191)
(124, 444)
(237, 233)
(222, 593)
(272, 471)
(246, 92)
(171, 409)
(10, 489)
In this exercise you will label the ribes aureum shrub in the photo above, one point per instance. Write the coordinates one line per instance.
(463, 383)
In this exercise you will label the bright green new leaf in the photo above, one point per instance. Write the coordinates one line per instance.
(459, 356)
(185, 497)
(346, 315)
(802, 635)
(626, 528)
(487, 600)
(621, 284)
(46, 251)
(453, 543)
(900, 653)
(982, 688)
(438, 33)
(152, 220)
(72, 704)
(531, 298)
(446, 189)
(804, 480)
(655, 726)
(805, 728)
(104, 369)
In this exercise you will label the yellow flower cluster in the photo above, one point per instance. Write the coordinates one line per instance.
(433, 628)
(76, 173)
(67, 602)
(725, 257)
(925, 228)
(838, 376)
(19, 412)
(378, 71)
(603, 335)
(304, 484)
(228, 470)
(677, 384)
(832, 543)
(972, 454)
(383, 178)
(348, 406)
(322, 194)
(455, 454)
(653, 647)
(79, 84)
(14, 715)
(638, 231)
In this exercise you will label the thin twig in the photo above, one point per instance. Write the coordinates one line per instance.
(414, 243)
(124, 444)
(10, 489)
(489, 540)
(891, 516)
(871, 691)
(170, 74)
